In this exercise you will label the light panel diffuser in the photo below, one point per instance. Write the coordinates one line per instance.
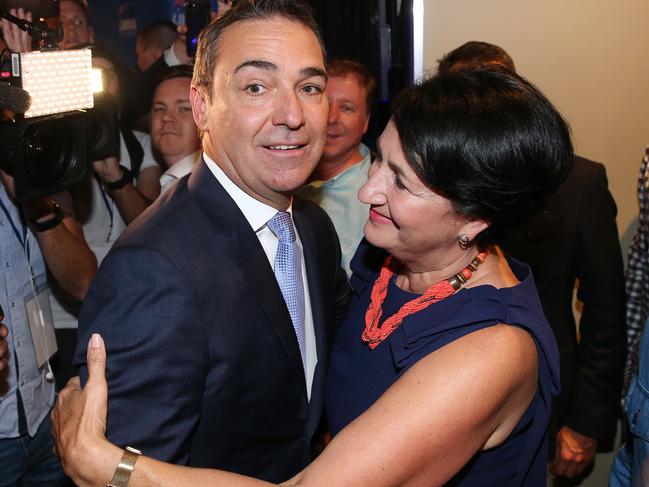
(57, 81)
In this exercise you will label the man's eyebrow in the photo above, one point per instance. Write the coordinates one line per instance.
(312, 71)
(257, 63)
(269, 66)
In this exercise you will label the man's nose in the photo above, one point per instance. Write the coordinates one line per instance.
(289, 111)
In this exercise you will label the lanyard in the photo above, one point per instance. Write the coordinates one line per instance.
(22, 239)
(108, 206)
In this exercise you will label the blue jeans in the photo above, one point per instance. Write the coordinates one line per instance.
(27, 462)
(631, 465)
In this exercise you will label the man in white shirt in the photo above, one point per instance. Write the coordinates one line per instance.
(174, 134)
(215, 328)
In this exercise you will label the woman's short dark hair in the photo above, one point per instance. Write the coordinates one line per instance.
(488, 140)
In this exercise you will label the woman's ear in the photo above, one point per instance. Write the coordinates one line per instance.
(473, 228)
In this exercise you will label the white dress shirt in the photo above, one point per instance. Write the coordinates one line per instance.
(178, 170)
(258, 214)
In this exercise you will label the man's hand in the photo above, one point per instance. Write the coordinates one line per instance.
(17, 39)
(108, 169)
(79, 419)
(574, 453)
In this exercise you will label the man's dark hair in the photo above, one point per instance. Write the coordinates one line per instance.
(488, 140)
(245, 10)
(348, 67)
(473, 54)
(173, 72)
(160, 34)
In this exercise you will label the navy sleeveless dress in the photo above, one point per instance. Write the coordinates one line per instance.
(358, 375)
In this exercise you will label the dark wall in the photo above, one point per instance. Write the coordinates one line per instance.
(106, 22)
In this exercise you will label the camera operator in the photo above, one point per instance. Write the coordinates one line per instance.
(38, 240)
(112, 195)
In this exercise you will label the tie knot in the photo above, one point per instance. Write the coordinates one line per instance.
(282, 226)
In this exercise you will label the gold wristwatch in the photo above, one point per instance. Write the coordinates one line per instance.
(125, 467)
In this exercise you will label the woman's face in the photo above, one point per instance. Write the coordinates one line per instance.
(407, 218)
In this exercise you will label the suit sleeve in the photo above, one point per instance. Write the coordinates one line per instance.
(145, 309)
(601, 350)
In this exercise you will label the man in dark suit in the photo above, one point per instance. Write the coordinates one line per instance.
(212, 363)
(573, 241)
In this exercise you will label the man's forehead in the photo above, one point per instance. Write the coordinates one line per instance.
(235, 36)
(69, 7)
(179, 85)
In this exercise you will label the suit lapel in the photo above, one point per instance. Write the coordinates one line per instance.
(241, 246)
(314, 272)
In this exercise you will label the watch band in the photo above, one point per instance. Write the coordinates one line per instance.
(127, 177)
(125, 467)
(50, 223)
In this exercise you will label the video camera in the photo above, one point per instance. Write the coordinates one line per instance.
(54, 122)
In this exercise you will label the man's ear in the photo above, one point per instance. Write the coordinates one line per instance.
(199, 107)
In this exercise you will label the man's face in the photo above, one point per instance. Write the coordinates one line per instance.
(348, 118)
(75, 25)
(266, 123)
(173, 131)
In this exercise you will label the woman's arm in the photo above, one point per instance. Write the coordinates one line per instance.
(464, 397)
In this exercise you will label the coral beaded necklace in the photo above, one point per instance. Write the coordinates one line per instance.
(374, 332)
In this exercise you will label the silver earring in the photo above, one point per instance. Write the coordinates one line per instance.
(464, 241)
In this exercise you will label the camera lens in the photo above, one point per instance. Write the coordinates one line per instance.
(51, 153)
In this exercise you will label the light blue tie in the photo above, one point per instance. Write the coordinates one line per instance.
(288, 272)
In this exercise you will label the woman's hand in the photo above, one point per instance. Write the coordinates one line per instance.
(79, 423)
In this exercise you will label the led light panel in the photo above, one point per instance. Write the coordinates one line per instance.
(57, 81)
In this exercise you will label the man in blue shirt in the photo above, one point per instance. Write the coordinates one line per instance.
(35, 237)
(342, 170)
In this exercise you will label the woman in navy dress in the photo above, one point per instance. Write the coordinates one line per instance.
(444, 370)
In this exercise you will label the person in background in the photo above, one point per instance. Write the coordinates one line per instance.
(152, 41)
(76, 22)
(137, 97)
(573, 241)
(637, 275)
(342, 170)
(631, 465)
(41, 243)
(174, 134)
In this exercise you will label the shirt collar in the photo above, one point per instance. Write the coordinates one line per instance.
(183, 167)
(256, 212)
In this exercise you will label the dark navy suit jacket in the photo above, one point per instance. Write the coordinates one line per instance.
(203, 363)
